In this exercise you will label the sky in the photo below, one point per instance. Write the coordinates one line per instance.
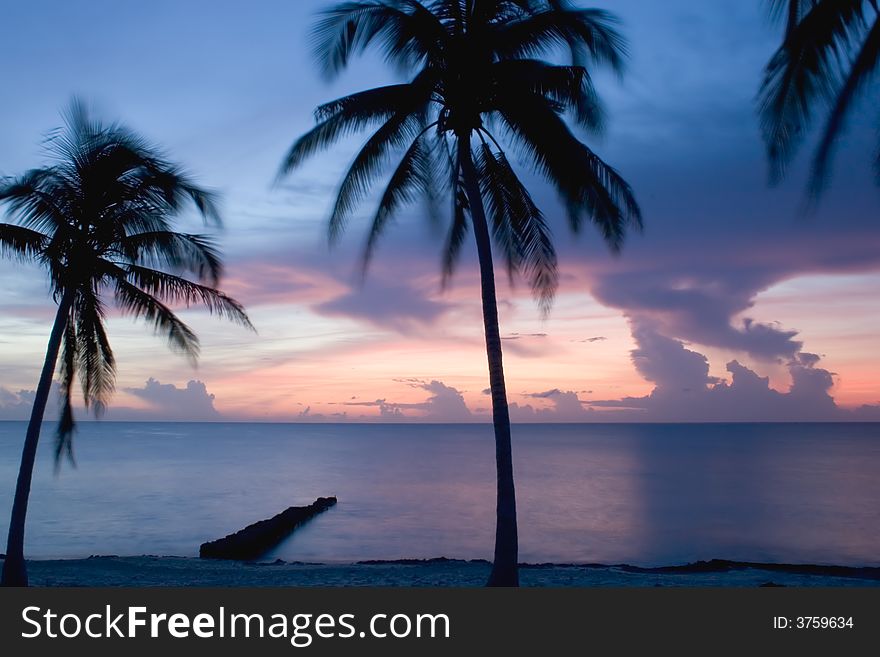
(736, 303)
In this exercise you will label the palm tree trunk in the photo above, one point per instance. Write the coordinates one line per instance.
(14, 569)
(504, 568)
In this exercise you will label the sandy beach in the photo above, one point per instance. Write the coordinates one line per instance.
(139, 571)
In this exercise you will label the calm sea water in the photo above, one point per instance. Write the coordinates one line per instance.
(642, 494)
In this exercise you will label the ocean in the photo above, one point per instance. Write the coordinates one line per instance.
(644, 494)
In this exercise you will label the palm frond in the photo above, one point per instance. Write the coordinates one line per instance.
(347, 116)
(877, 163)
(64, 432)
(111, 166)
(609, 200)
(95, 364)
(73, 146)
(479, 14)
(412, 178)
(457, 229)
(181, 252)
(171, 289)
(22, 243)
(400, 129)
(518, 225)
(67, 373)
(590, 34)
(791, 11)
(808, 68)
(568, 86)
(406, 30)
(497, 198)
(176, 188)
(136, 302)
(40, 199)
(586, 184)
(860, 74)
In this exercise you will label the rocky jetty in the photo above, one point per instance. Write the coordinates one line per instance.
(255, 540)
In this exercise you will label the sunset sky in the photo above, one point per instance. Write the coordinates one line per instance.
(734, 304)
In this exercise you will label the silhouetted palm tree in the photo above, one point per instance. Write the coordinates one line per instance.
(99, 218)
(477, 80)
(830, 53)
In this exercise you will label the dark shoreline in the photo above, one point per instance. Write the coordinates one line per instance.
(149, 571)
(710, 566)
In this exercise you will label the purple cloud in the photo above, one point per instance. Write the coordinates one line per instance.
(168, 402)
(165, 402)
(388, 305)
(17, 405)
(445, 404)
(667, 362)
(699, 309)
(685, 392)
(567, 407)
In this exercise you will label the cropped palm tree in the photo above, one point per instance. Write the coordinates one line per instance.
(828, 57)
(99, 219)
(476, 81)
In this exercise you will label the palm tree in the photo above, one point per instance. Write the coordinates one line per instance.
(475, 77)
(99, 218)
(475, 80)
(828, 56)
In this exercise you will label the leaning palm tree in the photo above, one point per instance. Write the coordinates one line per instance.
(828, 57)
(476, 82)
(100, 219)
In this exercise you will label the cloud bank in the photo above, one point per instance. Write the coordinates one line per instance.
(685, 392)
(166, 402)
(163, 402)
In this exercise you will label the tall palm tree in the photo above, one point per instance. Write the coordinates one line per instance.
(828, 57)
(100, 219)
(476, 81)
